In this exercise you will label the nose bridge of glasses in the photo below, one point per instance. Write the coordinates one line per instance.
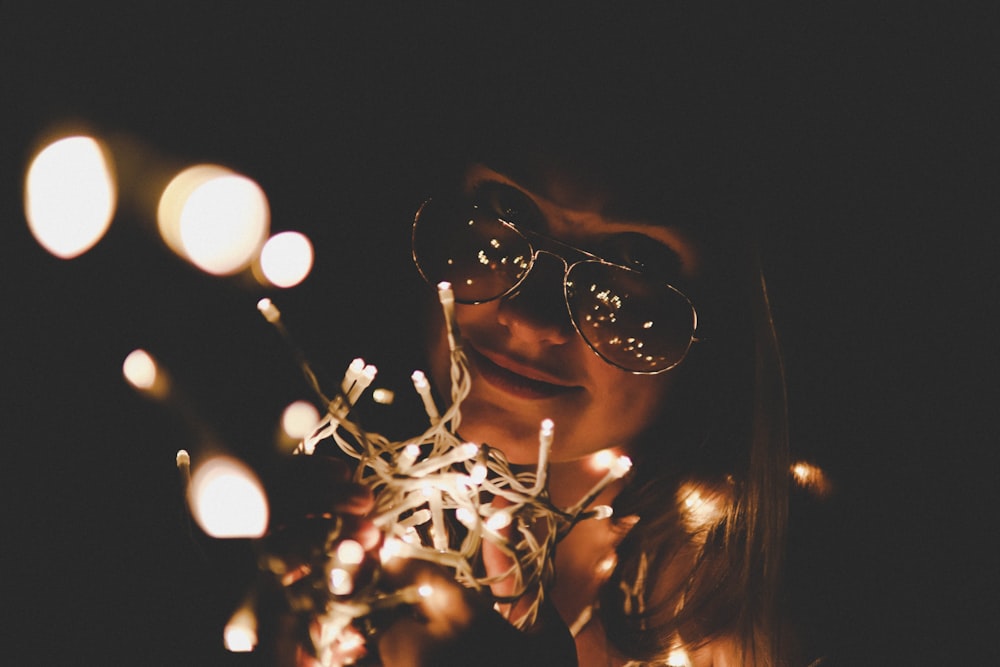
(564, 252)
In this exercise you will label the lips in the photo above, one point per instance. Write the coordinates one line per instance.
(515, 383)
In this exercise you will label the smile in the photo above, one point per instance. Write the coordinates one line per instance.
(514, 382)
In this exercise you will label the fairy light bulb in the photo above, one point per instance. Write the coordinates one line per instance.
(602, 512)
(606, 564)
(810, 477)
(299, 419)
(499, 520)
(466, 516)
(240, 634)
(407, 458)
(341, 581)
(227, 499)
(603, 459)
(350, 552)
(286, 259)
(139, 369)
(391, 548)
(269, 310)
(143, 372)
(70, 196)
(214, 218)
(678, 657)
(620, 466)
(383, 396)
(478, 474)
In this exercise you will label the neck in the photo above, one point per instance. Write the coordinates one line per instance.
(569, 481)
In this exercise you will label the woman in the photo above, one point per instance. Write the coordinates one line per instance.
(701, 522)
(688, 570)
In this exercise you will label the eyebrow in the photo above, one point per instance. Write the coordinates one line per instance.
(533, 185)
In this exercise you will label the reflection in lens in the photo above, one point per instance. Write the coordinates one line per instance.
(479, 255)
(632, 322)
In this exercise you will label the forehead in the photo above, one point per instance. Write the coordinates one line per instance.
(578, 209)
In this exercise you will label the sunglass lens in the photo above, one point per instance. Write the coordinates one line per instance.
(480, 256)
(637, 324)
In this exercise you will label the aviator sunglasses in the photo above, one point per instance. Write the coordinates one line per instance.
(631, 320)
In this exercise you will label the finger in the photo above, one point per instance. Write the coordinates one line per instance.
(496, 561)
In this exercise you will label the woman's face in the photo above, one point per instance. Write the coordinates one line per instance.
(527, 361)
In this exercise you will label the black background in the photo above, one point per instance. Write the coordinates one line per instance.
(873, 175)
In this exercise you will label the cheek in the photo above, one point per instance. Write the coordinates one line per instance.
(630, 403)
(469, 318)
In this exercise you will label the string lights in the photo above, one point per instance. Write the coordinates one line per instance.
(437, 499)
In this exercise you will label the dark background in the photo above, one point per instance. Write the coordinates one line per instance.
(871, 183)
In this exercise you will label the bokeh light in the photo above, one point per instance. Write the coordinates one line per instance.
(227, 499)
(286, 259)
(812, 478)
(214, 218)
(70, 196)
(240, 635)
(350, 552)
(143, 372)
(140, 369)
(299, 419)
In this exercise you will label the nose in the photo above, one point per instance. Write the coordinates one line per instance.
(536, 311)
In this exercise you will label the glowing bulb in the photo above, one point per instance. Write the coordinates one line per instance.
(419, 380)
(466, 516)
(602, 512)
(269, 310)
(341, 582)
(350, 552)
(811, 477)
(227, 499)
(478, 474)
(299, 419)
(391, 548)
(425, 590)
(240, 635)
(223, 224)
(286, 259)
(620, 466)
(174, 198)
(70, 196)
(678, 657)
(140, 369)
(702, 508)
(410, 454)
(468, 450)
(214, 218)
(499, 521)
(607, 564)
(383, 396)
(603, 458)
(349, 640)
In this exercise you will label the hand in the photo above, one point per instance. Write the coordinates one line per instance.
(455, 626)
(315, 507)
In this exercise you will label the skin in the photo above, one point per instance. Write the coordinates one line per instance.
(515, 343)
(529, 335)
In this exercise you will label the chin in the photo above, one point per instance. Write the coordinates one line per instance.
(516, 439)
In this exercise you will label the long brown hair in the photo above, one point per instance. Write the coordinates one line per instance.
(684, 583)
(724, 435)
